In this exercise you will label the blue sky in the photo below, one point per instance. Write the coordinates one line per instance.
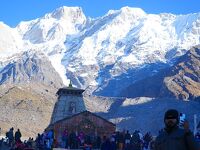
(14, 11)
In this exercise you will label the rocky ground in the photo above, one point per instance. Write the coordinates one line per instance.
(25, 108)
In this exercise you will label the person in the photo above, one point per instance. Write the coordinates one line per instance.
(172, 137)
(127, 137)
(105, 145)
(136, 141)
(38, 141)
(10, 136)
(113, 145)
(18, 135)
(65, 139)
(146, 141)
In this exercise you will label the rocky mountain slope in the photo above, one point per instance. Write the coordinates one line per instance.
(29, 67)
(27, 108)
(146, 114)
(180, 81)
(142, 113)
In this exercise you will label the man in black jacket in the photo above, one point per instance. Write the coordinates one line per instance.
(18, 136)
(174, 138)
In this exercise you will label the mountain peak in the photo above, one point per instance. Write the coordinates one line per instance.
(132, 10)
(65, 12)
(3, 25)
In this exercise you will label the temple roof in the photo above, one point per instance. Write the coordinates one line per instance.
(70, 88)
(84, 112)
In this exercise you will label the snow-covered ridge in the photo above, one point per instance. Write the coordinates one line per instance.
(96, 51)
(10, 41)
(74, 14)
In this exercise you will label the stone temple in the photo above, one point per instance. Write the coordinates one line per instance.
(70, 102)
(70, 115)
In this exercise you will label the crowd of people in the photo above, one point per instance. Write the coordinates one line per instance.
(118, 140)
(45, 141)
(172, 137)
(12, 141)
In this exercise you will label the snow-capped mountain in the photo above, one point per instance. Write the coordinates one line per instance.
(107, 53)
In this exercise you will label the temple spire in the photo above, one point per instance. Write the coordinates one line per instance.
(70, 84)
